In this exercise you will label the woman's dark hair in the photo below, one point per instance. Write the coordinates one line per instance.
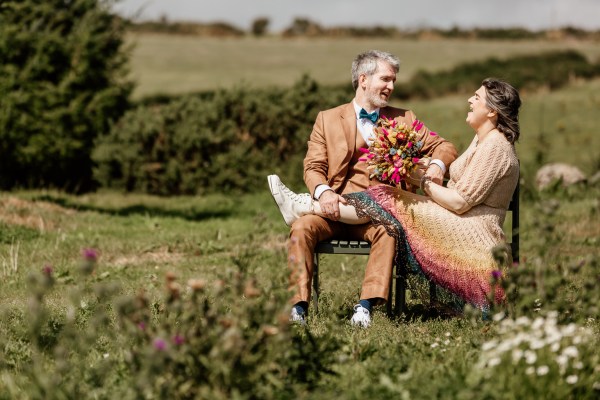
(504, 99)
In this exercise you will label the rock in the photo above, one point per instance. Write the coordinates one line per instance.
(549, 173)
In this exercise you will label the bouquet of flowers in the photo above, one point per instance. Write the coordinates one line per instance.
(395, 151)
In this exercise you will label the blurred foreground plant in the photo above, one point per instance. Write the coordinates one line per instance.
(213, 340)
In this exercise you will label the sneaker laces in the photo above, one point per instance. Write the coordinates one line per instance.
(302, 198)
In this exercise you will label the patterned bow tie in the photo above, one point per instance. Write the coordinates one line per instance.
(364, 114)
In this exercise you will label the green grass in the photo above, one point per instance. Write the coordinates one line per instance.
(177, 64)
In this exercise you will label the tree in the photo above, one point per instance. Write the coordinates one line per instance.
(259, 26)
(62, 83)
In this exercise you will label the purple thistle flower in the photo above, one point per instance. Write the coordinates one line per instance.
(496, 274)
(160, 344)
(178, 340)
(90, 254)
(142, 325)
(47, 270)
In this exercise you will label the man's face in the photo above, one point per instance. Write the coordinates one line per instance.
(380, 85)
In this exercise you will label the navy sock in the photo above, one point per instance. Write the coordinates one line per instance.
(367, 303)
(301, 307)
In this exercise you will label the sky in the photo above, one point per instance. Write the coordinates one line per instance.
(403, 14)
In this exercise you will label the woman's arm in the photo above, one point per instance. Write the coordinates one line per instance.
(445, 197)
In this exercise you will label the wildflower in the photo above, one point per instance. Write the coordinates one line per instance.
(530, 370)
(517, 354)
(90, 255)
(196, 284)
(270, 330)
(572, 379)
(47, 270)
(160, 344)
(571, 351)
(496, 274)
(494, 361)
(542, 370)
(530, 357)
(178, 340)
(142, 326)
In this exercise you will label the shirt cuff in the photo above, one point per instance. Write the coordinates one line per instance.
(320, 189)
(440, 164)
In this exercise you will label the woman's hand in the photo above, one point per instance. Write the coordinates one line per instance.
(414, 178)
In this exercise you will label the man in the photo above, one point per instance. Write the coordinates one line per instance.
(332, 168)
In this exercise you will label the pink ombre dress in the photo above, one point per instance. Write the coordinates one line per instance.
(454, 251)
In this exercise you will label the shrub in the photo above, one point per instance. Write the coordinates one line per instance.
(225, 142)
(62, 82)
(553, 70)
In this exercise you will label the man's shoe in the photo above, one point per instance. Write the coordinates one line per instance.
(297, 318)
(291, 205)
(361, 317)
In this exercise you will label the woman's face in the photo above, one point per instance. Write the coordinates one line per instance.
(479, 112)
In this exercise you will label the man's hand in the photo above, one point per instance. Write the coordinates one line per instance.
(435, 173)
(330, 204)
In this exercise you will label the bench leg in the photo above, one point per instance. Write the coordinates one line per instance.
(432, 294)
(315, 279)
(400, 292)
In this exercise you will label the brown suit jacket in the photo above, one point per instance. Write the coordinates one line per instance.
(333, 142)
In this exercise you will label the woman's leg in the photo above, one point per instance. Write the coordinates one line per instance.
(347, 214)
(292, 205)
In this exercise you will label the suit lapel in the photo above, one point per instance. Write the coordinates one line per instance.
(344, 148)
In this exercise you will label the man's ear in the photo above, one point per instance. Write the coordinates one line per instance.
(362, 81)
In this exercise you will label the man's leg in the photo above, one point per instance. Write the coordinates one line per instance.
(376, 283)
(305, 233)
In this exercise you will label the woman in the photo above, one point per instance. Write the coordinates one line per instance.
(449, 234)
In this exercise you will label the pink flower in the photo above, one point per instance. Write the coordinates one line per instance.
(90, 254)
(47, 270)
(160, 344)
(178, 340)
(409, 145)
(415, 160)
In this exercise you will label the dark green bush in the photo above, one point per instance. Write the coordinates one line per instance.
(553, 70)
(199, 144)
(62, 82)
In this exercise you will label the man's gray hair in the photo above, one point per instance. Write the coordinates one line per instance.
(366, 63)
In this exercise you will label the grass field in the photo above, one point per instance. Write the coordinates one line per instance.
(176, 64)
(141, 238)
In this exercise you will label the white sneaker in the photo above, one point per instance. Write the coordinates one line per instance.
(291, 205)
(361, 317)
(296, 317)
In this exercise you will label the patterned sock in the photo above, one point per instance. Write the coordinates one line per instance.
(301, 307)
(367, 303)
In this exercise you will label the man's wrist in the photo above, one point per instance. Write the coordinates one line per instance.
(320, 190)
(440, 164)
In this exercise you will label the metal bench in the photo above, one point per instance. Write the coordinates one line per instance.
(399, 274)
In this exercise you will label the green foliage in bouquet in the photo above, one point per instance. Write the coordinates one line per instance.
(62, 82)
